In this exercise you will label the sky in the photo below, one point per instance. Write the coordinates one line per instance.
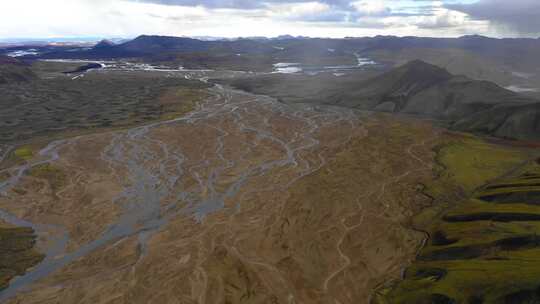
(270, 18)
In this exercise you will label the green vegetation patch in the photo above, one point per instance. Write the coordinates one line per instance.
(484, 248)
(17, 253)
(24, 153)
(16, 157)
(468, 163)
(53, 175)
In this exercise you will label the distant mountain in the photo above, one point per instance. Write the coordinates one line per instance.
(158, 46)
(503, 48)
(474, 106)
(510, 63)
(421, 88)
(104, 44)
(13, 70)
(238, 54)
(155, 44)
(396, 89)
(503, 61)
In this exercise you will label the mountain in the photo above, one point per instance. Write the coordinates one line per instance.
(514, 121)
(13, 70)
(149, 47)
(417, 88)
(395, 89)
(155, 44)
(238, 54)
(104, 44)
(506, 62)
(421, 88)
(491, 47)
(519, 53)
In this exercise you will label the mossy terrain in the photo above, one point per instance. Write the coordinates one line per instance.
(57, 105)
(484, 246)
(18, 156)
(468, 163)
(17, 253)
(54, 176)
(171, 108)
(23, 153)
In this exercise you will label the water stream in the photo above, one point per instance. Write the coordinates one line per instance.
(155, 169)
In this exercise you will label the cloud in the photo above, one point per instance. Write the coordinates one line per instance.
(521, 16)
(371, 7)
(242, 4)
(443, 18)
(330, 11)
(305, 12)
(233, 18)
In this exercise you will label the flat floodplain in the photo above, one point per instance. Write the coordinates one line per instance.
(157, 187)
(242, 197)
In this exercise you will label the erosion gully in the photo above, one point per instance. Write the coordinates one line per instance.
(155, 168)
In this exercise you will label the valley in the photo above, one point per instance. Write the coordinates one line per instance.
(225, 195)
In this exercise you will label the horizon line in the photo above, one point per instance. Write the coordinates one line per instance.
(210, 37)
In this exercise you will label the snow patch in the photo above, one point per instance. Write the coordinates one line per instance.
(287, 68)
(21, 53)
(519, 89)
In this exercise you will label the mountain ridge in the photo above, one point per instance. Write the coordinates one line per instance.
(415, 88)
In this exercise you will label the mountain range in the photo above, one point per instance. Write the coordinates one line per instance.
(508, 62)
(417, 88)
(459, 80)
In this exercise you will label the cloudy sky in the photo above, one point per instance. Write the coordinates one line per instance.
(234, 18)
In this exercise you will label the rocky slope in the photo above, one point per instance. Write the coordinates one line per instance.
(506, 120)
(415, 88)
(13, 71)
(421, 88)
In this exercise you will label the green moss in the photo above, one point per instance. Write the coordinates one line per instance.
(17, 253)
(489, 280)
(479, 258)
(468, 163)
(24, 153)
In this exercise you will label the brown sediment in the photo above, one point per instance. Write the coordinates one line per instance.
(318, 208)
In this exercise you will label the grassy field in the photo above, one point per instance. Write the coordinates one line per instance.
(483, 245)
(16, 253)
(467, 163)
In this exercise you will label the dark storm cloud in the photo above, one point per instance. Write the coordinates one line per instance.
(522, 16)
